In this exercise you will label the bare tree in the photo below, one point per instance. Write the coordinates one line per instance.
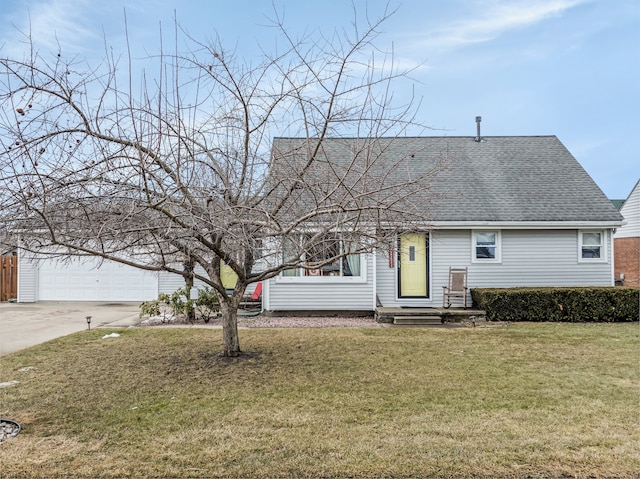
(183, 169)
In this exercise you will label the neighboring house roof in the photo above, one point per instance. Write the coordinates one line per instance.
(501, 179)
(618, 203)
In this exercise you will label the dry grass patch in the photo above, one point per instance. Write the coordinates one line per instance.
(530, 400)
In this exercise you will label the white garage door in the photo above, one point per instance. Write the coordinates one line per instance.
(93, 280)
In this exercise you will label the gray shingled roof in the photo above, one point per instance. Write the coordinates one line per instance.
(500, 179)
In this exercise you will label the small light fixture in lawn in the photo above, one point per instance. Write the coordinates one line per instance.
(88, 318)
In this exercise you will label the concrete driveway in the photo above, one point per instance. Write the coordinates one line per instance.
(26, 324)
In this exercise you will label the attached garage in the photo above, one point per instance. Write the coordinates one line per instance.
(93, 280)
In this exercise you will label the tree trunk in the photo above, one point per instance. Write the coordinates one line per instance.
(231, 343)
(188, 267)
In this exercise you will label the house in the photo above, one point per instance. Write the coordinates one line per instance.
(515, 211)
(626, 241)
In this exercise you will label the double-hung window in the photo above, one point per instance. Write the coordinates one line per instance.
(321, 256)
(591, 246)
(486, 247)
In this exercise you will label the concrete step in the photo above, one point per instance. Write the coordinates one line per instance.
(417, 320)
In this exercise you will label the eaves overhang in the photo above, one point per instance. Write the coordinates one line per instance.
(531, 225)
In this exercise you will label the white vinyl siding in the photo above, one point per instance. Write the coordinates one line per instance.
(631, 212)
(169, 282)
(328, 294)
(27, 278)
(529, 258)
(541, 258)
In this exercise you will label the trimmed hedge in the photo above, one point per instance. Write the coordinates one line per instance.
(579, 304)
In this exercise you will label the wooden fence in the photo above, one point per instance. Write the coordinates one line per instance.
(8, 278)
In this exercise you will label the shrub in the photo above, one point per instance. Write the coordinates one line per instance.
(181, 303)
(577, 304)
(156, 307)
(150, 308)
(205, 307)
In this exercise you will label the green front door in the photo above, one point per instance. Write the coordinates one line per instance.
(412, 266)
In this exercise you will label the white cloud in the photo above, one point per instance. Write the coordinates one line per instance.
(75, 26)
(68, 24)
(494, 20)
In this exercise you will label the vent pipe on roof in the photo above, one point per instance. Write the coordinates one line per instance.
(478, 137)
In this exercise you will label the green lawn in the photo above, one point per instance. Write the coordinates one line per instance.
(527, 400)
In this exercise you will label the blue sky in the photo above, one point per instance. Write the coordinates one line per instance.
(568, 68)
